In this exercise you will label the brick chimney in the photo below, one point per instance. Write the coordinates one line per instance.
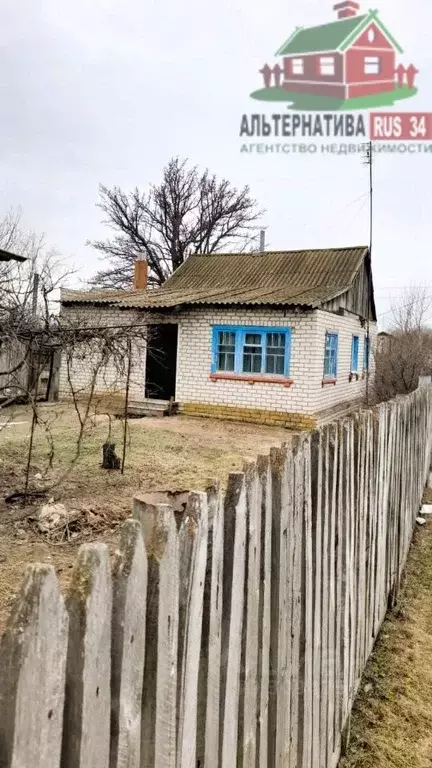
(346, 9)
(140, 275)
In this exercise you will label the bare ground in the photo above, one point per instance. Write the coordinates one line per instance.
(391, 724)
(177, 454)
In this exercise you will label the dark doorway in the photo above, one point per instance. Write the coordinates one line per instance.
(161, 363)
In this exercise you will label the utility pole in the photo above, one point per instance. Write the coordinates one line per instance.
(34, 357)
(369, 162)
(35, 293)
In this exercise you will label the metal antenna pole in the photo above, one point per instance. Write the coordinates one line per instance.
(369, 162)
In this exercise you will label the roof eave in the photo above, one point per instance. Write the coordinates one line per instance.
(172, 307)
(227, 304)
(86, 302)
(280, 51)
(312, 53)
(8, 256)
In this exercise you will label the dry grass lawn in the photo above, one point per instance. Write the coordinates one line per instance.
(176, 453)
(391, 724)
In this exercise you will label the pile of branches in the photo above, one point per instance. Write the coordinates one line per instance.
(76, 525)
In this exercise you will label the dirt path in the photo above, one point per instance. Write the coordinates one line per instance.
(391, 724)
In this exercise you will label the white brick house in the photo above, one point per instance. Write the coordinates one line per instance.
(275, 337)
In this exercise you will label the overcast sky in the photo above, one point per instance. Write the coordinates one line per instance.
(106, 91)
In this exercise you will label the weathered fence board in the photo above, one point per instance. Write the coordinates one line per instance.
(373, 513)
(346, 544)
(361, 550)
(158, 729)
(319, 552)
(308, 570)
(192, 566)
(264, 612)
(251, 628)
(279, 631)
(353, 572)
(128, 647)
(233, 631)
(32, 674)
(331, 472)
(209, 674)
(86, 736)
(323, 481)
(289, 497)
(232, 616)
(296, 725)
(339, 578)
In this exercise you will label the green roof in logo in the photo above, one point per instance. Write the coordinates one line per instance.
(327, 37)
(336, 36)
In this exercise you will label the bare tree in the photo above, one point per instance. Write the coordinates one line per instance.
(28, 304)
(105, 353)
(32, 331)
(407, 351)
(411, 312)
(187, 212)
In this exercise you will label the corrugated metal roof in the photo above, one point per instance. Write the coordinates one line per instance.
(302, 278)
(296, 278)
(94, 296)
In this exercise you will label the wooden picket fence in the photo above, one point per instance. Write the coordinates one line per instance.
(233, 633)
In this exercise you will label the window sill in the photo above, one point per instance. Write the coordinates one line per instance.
(328, 381)
(251, 379)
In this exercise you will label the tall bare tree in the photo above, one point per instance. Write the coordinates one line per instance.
(407, 351)
(187, 212)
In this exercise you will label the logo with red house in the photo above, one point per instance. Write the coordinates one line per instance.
(350, 63)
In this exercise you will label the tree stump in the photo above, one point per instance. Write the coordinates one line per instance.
(110, 460)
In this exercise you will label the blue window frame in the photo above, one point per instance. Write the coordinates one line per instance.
(226, 347)
(330, 355)
(355, 354)
(366, 354)
(248, 351)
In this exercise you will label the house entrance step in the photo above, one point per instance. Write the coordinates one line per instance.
(149, 407)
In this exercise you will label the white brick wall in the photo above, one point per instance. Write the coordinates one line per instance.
(307, 395)
(109, 379)
(327, 396)
(195, 352)
(194, 385)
